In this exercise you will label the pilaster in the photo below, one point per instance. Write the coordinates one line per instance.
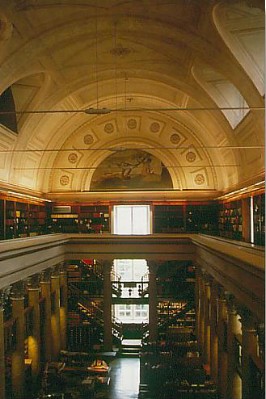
(201, 315)
(45, 284)
(34, 340)
(249, 349)
(17, 357)
(234, 384)
(107, 305)
(197, 301)
(213, 332)
(206, 347)
(153, 314)
(63, 306)
(222, 343)
(2, 347)
(55, 314)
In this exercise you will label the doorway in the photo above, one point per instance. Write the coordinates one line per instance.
(130, 296)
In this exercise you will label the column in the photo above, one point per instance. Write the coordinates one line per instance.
(197, 307)
(213, 332)
(249, 348)
(201, 316)
(222, 355)
(17, 357)
(206, 343)
(234, 389)
(63, 307)
(2, 348)
(107, 306)
(261, 340)
(45, 285)
(34, 339)
(153, 314)
(55, 314)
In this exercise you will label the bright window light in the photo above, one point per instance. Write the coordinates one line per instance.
(131, 273)
(136, 314)
(132, 219)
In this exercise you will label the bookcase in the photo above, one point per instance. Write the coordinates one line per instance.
(22, 218)
(172, 313)
(259, 219)
(94, 218)
(36, 219)
(168, 219)
(74, 273)
(230, 220)
(10, 219)
(193, 217)
(202, 218)
(63, 218)
(2, 220)
(166, 309)
(82, 218)
(22, 215)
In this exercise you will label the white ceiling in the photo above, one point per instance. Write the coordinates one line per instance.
(153, 64)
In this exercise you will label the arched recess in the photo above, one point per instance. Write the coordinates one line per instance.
(21, 95)
(78, 176)
(223, 93)
(242, 28)
(28, 92)
(7, 106)
(182, 152)
(131, 170)
(180, 144)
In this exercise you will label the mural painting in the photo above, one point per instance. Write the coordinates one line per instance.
(131, 170)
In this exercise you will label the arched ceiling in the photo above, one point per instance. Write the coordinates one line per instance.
(171, 73)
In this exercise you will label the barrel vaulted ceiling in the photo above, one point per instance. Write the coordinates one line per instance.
(180, 80)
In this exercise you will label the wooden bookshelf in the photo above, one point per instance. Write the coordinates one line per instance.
(21, 218)
(230, 220)
(168, 219)
(2, 219)
(202, 218)
(36, 219)
(168, 311)
(259, 219)
(10, 219)
(192, 218)
(94, 218)
(84, 218)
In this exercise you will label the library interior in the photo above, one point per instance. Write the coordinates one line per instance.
(132, 199)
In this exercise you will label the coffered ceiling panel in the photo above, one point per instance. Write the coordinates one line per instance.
(181, 80)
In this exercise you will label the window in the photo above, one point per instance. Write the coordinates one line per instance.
(7, 105)
(133, 276)
(132, 313)
(132, 219)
